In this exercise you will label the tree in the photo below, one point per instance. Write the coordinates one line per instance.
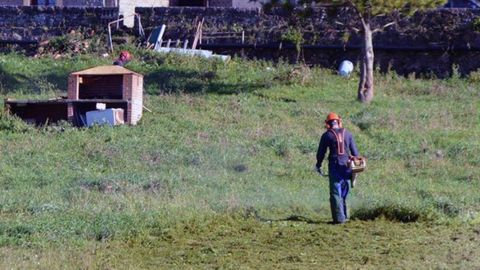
(366, 11)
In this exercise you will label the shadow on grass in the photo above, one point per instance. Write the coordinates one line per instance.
(11, 82)
(399, 214)
(58, 79)
(170, 81)
(253, 213)
(162, 81)
(294, 218)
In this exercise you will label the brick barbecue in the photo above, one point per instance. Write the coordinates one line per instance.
(115, 86)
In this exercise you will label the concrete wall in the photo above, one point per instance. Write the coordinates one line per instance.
(127, 8)
(246, 4)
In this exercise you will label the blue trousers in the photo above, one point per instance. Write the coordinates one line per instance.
(339, 177)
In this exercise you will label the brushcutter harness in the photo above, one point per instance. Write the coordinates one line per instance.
(340, 140)
(356, 164)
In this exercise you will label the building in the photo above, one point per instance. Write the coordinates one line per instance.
(126, 8)
(217, 3)
(246, 4)
(128, 4)
(61, 3)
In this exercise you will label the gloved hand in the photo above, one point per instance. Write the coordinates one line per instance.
(318, 169)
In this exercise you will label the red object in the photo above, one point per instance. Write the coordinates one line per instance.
(125, 56)
(330, 117)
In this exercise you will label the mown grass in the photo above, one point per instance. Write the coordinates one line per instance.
(226, 147)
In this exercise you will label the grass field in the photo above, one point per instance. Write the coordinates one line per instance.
(219, 174)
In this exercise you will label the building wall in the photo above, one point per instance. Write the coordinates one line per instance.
(127, 8)
(82, 3)
(14, 2)
(246, 4)
(41, 23)
(60, 3)
(220, 3)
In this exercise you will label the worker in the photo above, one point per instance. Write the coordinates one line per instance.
(123, 59)
(341, 146)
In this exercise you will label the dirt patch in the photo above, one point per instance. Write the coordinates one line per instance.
(240, 168)
(155, 187)
(101, 186)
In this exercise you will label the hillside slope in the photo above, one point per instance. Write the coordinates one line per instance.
(228, 147)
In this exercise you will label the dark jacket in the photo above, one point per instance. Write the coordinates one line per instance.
(120, 62)
(329, 140)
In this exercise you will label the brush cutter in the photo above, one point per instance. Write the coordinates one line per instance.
(357, 165)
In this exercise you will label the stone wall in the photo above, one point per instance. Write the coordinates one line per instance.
(65, 3)
(41, 23)
(429, 42)
(440, 38)
(444, 28)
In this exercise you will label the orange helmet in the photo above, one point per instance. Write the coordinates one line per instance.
(126, 55)
(330, 117)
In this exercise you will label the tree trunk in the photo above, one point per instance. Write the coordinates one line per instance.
(365, 87)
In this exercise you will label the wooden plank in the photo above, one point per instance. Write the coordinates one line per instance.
(197, 34)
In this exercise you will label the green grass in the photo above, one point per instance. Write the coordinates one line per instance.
(226, 147)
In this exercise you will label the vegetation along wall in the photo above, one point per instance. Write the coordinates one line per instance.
(431, 42)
